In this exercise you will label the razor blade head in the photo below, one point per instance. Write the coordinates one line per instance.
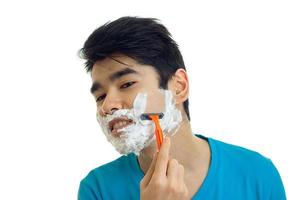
(145, 116)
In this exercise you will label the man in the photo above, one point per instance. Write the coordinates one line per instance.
(137, 68)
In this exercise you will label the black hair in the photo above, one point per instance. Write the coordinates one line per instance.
(144, 39)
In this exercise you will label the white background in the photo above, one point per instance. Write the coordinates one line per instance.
(242, 57)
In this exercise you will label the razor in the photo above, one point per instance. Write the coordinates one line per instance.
(158, 132)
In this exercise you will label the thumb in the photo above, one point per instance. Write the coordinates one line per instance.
(149, 172)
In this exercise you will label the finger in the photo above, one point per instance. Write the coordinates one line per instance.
(172, 171)
(180, 173)
(149, 172)
(162, 159)
(181, 181)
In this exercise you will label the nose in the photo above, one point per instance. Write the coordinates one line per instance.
(111, 103)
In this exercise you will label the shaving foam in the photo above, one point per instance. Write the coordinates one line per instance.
(140, 134)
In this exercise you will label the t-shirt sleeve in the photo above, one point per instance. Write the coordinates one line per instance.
(86, 192)
(277, 189)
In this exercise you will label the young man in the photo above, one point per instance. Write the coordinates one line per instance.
(136, 68)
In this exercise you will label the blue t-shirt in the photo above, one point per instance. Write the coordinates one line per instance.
(234, 173)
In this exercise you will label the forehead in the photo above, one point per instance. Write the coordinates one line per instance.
(109, 65)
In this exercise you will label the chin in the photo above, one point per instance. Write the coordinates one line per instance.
(150, 149)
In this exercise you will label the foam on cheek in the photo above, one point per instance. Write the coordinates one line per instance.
(170, 123)
(133, 137)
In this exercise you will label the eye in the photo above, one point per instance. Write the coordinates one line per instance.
(100, 98)
(128, 84)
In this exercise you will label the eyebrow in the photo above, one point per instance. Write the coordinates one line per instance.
(113, 77)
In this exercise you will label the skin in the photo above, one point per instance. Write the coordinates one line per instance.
(171, 174)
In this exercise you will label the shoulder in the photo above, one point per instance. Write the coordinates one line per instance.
(241, 160)
(248, 165)
(108, 170)
(235, 153)
(105, 178)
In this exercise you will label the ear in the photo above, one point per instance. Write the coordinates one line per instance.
(179, 85)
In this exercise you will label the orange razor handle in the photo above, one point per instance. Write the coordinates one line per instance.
(158, 131)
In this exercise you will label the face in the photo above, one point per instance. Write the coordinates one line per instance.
(115, 85)
(123, 90)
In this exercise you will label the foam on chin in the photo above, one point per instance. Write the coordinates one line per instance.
(140, 134)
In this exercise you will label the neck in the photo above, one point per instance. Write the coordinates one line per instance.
(183, 143)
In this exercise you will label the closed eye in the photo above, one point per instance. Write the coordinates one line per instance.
(100, 98)
(124, 86)
(128, 84)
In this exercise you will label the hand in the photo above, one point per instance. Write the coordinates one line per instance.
(165, 177)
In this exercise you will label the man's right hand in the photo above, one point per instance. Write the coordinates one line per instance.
(164, 178)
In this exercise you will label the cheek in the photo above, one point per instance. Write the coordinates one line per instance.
(128, 98)
(155, 103)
